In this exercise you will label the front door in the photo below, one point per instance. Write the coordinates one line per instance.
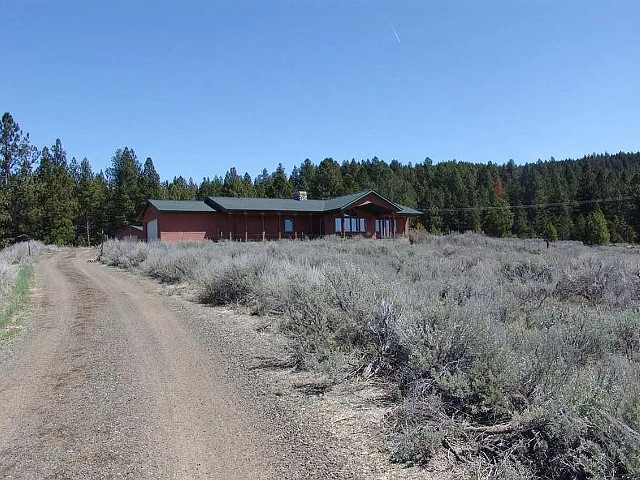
(152, 231)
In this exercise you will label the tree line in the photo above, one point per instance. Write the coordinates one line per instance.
(595, 199)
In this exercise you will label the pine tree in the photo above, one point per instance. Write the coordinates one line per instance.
(5, 216)
(521, 227)
(498, 222)
(307, 176)
(150, 180)
(550, 233)
(233, 185)
(126, 200)
(596, 231)
(327, 180)
(16, 154)
(100, 206)
(210, 188)
(56, 197)
(278, 186)
(579, 228)
(88, 203)
(25, 208)
(15, 148)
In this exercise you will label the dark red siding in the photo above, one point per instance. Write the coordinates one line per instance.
(129, 233)
(217, 226)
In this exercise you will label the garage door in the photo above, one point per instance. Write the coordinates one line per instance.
(152, 231)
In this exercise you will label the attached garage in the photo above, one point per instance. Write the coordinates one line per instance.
(176, 221)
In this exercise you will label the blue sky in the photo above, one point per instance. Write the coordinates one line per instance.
(203, 86)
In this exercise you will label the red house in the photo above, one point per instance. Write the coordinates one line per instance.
(228, 218)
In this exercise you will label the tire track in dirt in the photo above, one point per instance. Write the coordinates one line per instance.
(107, 382)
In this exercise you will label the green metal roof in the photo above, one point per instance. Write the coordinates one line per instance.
(409, 211)
(243, 204)
(192, 206)
(234, 204)
(338, 203)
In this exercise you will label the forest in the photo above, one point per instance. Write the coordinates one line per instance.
(594, 199)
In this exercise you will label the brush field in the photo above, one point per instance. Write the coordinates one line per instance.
(507, 358)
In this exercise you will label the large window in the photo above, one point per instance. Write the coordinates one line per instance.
(351, 224)
(288, 225)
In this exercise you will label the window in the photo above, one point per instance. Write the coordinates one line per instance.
(288, 225)
(383, 228)
(351, 224)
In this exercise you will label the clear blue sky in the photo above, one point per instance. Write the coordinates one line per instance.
(203, 86)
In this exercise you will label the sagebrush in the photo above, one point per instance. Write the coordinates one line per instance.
(518, 360)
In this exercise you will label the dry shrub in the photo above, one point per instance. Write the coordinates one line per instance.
(518, 361)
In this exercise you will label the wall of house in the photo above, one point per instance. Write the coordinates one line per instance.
(186, 227)
(372, 199)
(195, 227)
(233, 226)
(129, 233)
(403, 226)
(174, 227)
(401, 230)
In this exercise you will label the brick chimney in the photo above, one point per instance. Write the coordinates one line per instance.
(300, 196)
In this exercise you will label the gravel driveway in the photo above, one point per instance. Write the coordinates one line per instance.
(109, 380)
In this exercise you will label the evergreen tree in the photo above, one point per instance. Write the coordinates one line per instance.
(150, 180)
(596, 231)
(260, 184)
(210, 188)
(56, 197)
(278, 186)
(100, 206)
(16, 153)
(88, 203)
(620, 231)
(234, 185)
(15, 148)
(550, 233)
(126, 200)
(579, 228)
(521, 227)
(498, 222)
(25, 208)
(327, 180)
(307, 176)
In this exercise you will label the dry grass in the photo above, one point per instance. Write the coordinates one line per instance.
(15, 272)
(517, 361)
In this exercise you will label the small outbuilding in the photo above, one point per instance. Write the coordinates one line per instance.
(130, 232)
(365, 213)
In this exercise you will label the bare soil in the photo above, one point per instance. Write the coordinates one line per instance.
(113, 378)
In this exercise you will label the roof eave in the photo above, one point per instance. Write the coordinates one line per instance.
(364, 194)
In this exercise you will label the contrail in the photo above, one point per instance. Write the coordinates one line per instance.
(394, 31)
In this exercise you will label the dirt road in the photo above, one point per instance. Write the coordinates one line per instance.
(109, 380)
